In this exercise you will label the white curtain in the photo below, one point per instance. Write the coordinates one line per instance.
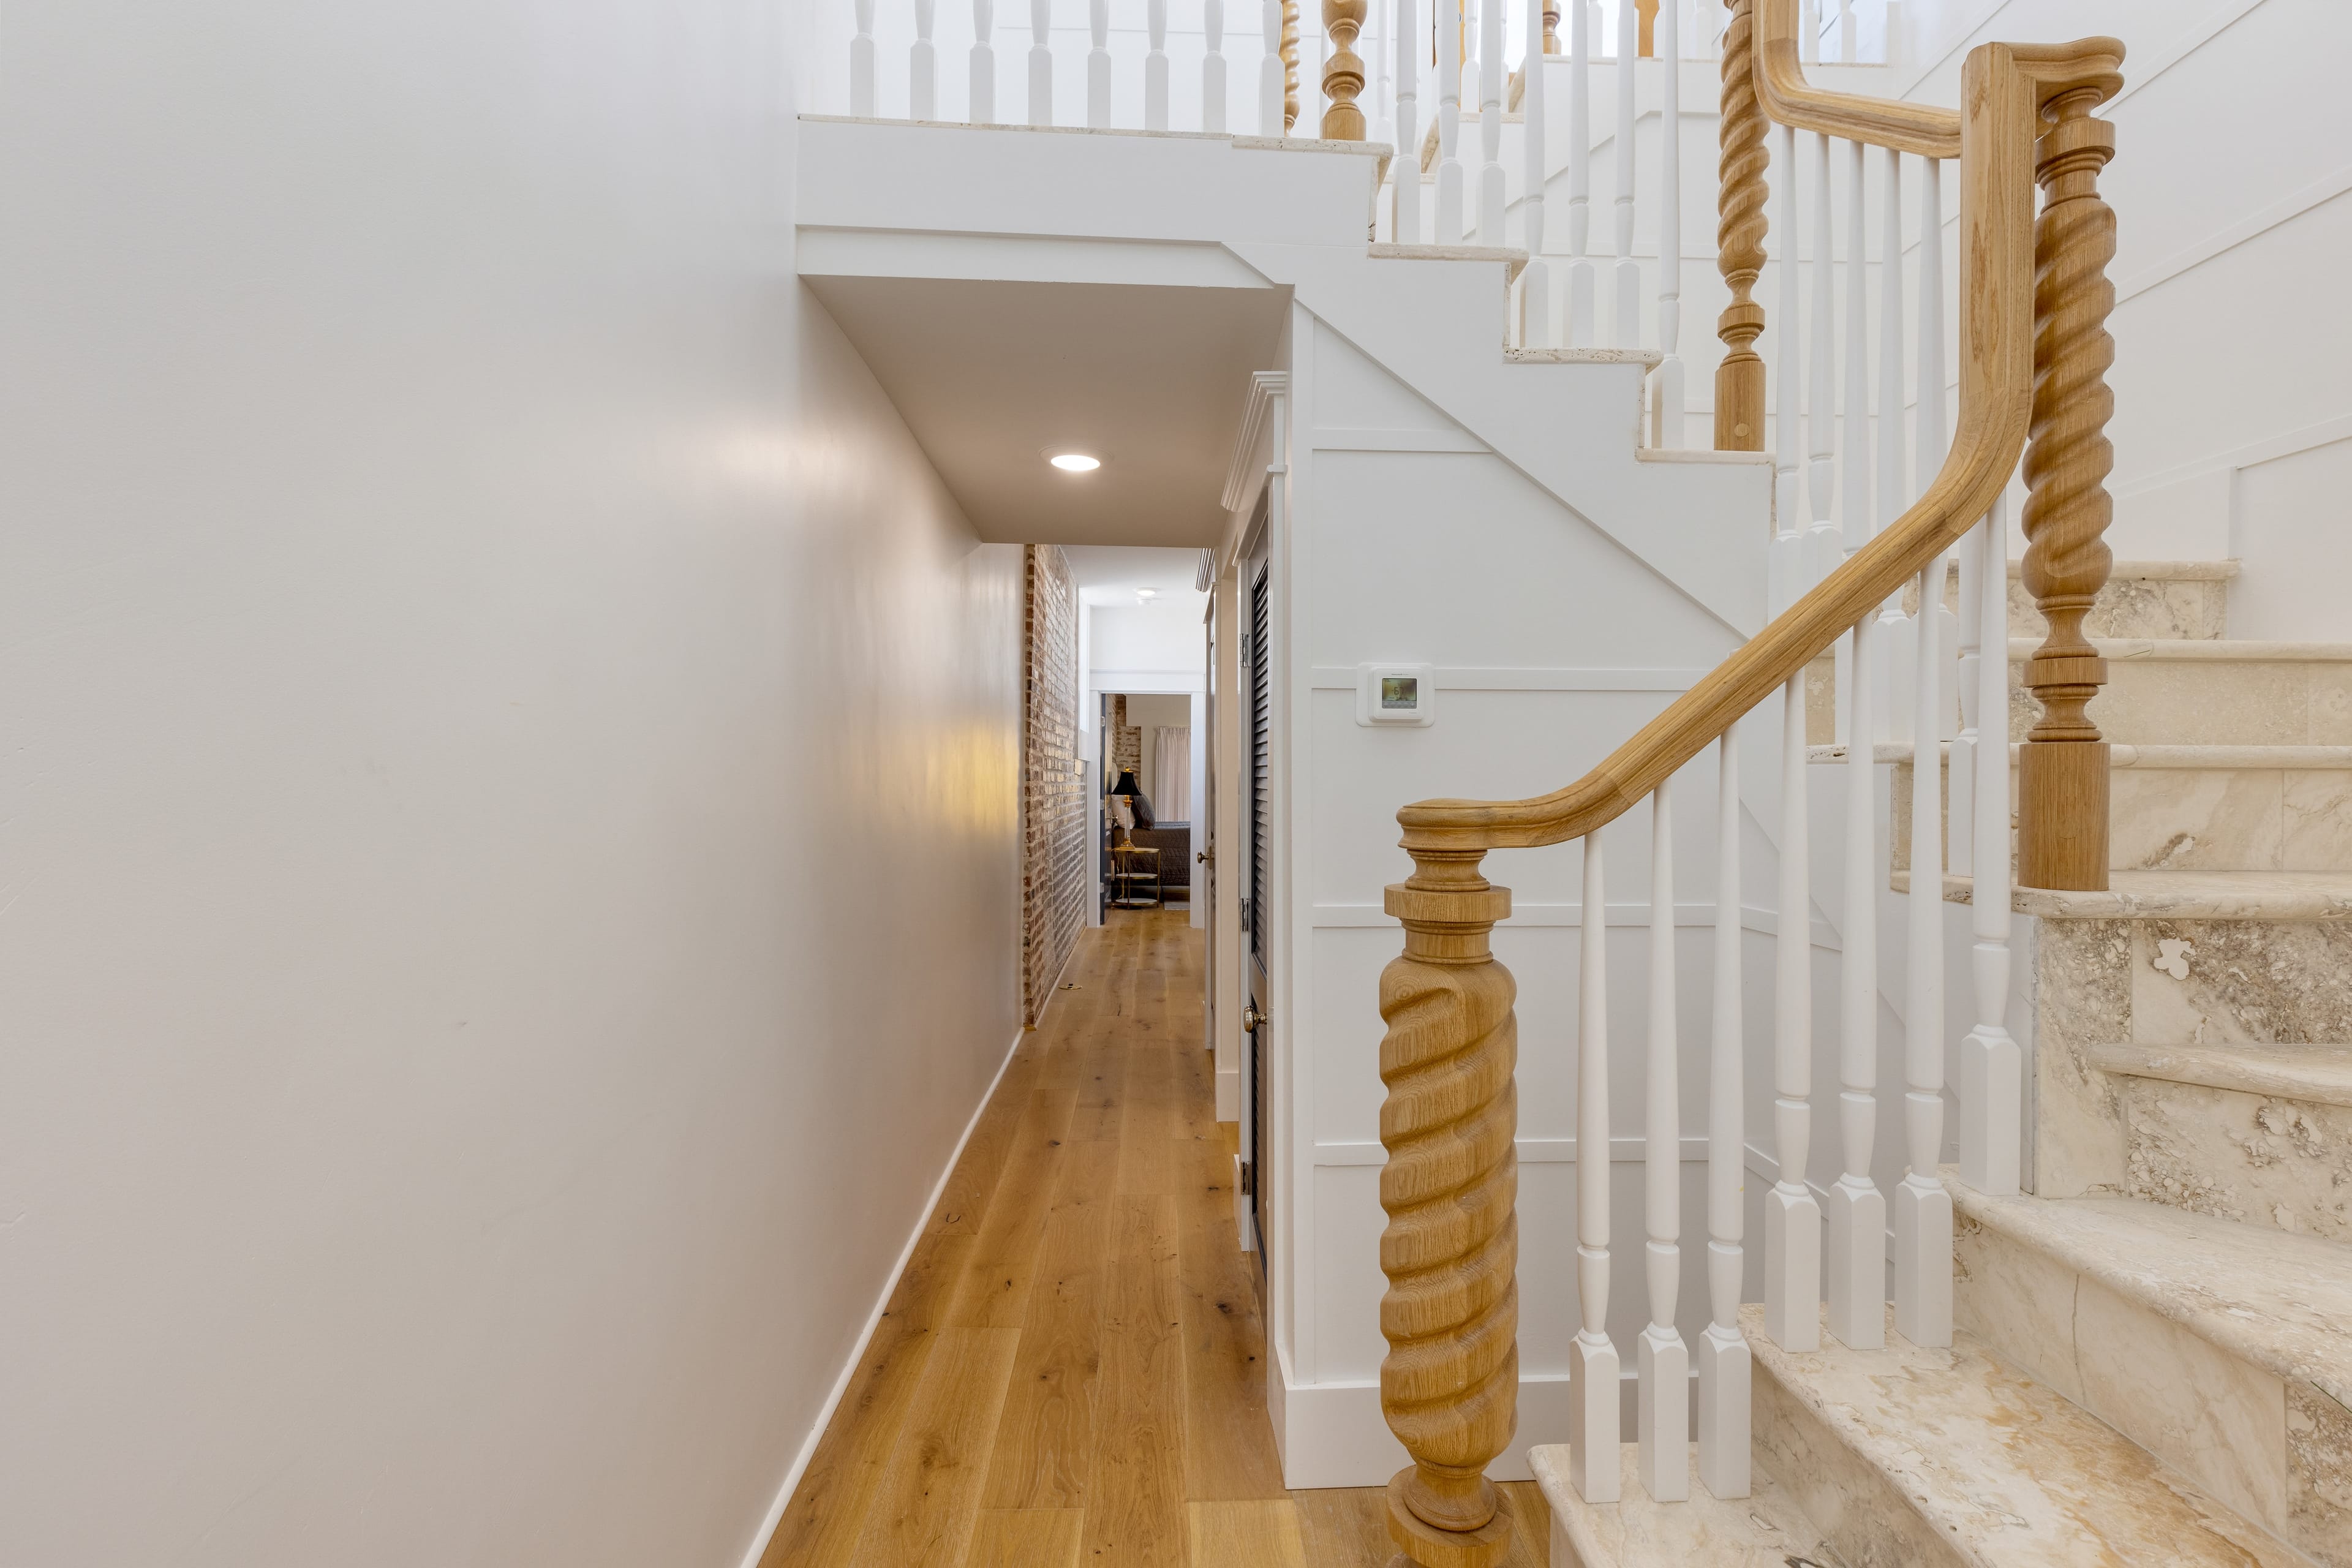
(1171, 773)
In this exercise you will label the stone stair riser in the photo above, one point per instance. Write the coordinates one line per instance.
(2155, 701)
(2262, 1160)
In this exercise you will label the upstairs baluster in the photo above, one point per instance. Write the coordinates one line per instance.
(1490, 121)
(1449, 124)
(1661, 1361)
(1788, 479)
(1155, 66)
(1669, 397)
(1581, 291)
(983, 62)
(1824, 547)
(1040, 62)
(1723, 1357)
(1269, 70)
(923, 66)
(1098, 64)
(1343, 73)
(1854, 435)
(1384, 88)
(861, 63)
(1405, 169)
(1628, 314)
(1534, 281)
(1212, 66)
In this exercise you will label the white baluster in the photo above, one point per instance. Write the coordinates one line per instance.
(1991, 1069)
(923, 66)
(1792, 1220)
(1809, 32)
(1854, 481)
(1723, 1360)
(1923, 1209)
(1930, 440)
(1824, 547)
(861, 63)
(1040, 62)
(1490, 122)
(1592, 1369)
(1960, 771)
(1581, 327)
(1449, 124)
(1628, 285)
(1893, 491)
(1667, 420)
(1405, 169)
(1155, 66)
(1534, 281)
(1269, 71)
(1856, 1210)
(1384, 88)
(983, 62)
(1212, 66)
(1848, 36)
(1098, 64)
(1661, 1361)
(1788, 356)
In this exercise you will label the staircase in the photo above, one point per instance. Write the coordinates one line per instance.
(2153, 1360)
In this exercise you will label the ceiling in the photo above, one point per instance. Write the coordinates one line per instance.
(993, 376)
(1108, 577)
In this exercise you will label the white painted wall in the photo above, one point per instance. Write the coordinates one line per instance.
(483, 666)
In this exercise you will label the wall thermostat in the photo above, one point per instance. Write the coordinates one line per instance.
(1395, 694)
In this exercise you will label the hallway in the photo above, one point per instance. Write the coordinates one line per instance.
(1070, 1371)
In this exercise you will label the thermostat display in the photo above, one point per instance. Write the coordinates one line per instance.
(1394, 694)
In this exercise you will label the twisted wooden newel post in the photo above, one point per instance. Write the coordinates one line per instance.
(1740, 233)
(1343, 73)
(1449, 1386)
(2062, 767)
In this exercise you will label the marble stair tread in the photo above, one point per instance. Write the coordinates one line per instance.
(2276, 1298)
(2179, 895)
(2321, 1074)
(1763, 1529)
(1995, 1469)
(1512, 260)
(2201, 650)
(2181, 758)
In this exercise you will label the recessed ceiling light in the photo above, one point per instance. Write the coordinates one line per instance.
(1075, 462)
(1147, 593)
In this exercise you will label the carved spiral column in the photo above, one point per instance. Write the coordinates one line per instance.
(1343, 73)
(2062, 767)
(1289, 66)
(1450, 1385)
(1740, 231)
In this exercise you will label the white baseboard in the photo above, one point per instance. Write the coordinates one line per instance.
(1333, 1435)
(1229, 1094)
(800, 1464)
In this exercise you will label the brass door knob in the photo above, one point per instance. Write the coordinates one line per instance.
(1251, 1019)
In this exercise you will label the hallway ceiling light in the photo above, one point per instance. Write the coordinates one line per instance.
(1075, 462)
(1147, 593)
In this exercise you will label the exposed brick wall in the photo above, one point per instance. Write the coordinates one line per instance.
(1126, 745)
(1053, 790)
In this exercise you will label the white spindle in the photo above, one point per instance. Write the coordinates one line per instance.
(1992, 1085)
(1854, 481)
(1667, 424)
(1212, 66)
(1848, 33)
(1894, 490)
(923, 66)
(1405, 169)
(1040, 62)
(1792, 1220)
(1809, 32)
(1789, 547)
(1923, 1209)
(861, 63)
(983, 62)
(1662, 1423)
(1581, 327)
(1155, 65)
(1857, 1211)
(1534, 280)
(1490, 122)
(1449, 123)
(1592, 1367)
(1098, 64)
(1723, 1360)
(1269, 70)
(1824, 549)
(1384, 88)
(1628, 286)
(1929, 442)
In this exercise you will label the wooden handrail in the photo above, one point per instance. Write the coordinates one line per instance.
(2006, 87)
(1790, 100)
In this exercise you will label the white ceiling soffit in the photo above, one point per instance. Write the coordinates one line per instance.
(1112, 576)
(993, 376)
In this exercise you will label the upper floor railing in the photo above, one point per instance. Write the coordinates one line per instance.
(2033, 351)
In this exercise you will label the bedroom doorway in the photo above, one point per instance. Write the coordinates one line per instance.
(1147, 741)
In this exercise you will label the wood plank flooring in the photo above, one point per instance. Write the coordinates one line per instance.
(1071, 1373)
